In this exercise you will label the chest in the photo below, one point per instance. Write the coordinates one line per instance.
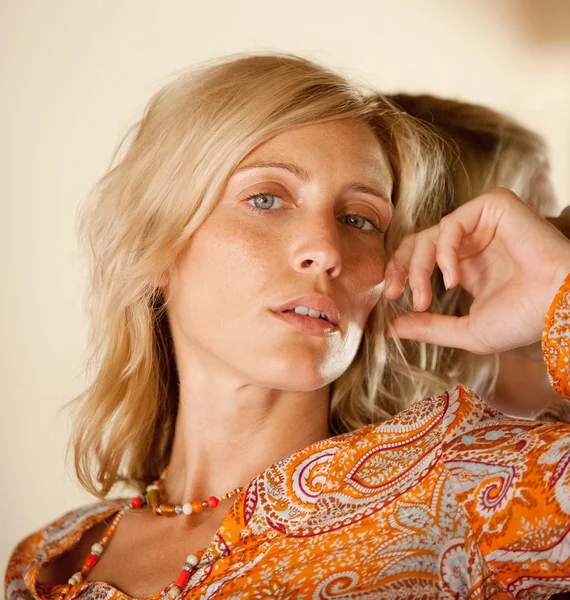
(141, 558)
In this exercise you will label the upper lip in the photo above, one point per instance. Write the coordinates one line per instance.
(320, 302)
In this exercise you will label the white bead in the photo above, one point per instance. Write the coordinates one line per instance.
(97, 549)
(152, 486)
(174, 591)
(192, 560)
(75, 578)
(187, 508)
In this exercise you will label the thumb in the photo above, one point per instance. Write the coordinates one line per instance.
(442, 330)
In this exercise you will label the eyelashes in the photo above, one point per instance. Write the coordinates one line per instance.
(260, 195)
(268, 207)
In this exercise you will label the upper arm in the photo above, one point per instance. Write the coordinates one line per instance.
(512, 482)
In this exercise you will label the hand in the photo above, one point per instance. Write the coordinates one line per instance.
(562, 222)
(504, 254)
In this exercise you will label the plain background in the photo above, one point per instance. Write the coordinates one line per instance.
(74, 75)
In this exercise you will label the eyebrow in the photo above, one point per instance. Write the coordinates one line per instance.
(305, 176)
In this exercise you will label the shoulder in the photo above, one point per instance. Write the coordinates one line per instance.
(48, 541)
(447, 427)
(406, 446)
(436, 419)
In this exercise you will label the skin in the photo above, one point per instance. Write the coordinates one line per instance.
(511, 260)
(523, 388)
(252, 389)
(239, 405)
(240, 411)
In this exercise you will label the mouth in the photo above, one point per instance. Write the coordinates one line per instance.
(317, 306)
(316, 313)
(303, 310)
(315, 326)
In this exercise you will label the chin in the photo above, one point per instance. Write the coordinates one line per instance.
(300, 373)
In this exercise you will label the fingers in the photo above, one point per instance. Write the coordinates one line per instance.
(414, 260)
(396, 273)
(456, 236)
(421, 268)
(450, 234)
(442, 330)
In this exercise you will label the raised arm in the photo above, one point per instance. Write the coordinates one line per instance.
(511, 477)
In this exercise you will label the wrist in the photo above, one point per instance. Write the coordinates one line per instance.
(561, 274)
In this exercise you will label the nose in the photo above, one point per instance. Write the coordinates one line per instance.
(317, 249)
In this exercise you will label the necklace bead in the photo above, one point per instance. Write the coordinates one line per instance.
(92, 560)
(153, 499)
(192, 560)
(153, 496)
(75, 578)
(137, 502)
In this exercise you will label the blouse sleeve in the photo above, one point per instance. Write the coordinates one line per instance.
(511, 479)
(555, 337)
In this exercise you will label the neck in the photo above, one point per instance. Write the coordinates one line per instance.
(228, 432)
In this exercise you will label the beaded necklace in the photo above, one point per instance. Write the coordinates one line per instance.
(152, 497)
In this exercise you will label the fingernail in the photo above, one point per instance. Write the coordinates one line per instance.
(417, 296)
(446, 279)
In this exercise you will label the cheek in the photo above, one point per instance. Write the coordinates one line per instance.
(365, 276)
(224, 255)
(222, 274)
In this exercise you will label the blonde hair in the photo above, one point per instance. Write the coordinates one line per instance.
(142, 213)
(485, 149)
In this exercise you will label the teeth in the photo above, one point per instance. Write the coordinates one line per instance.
(303, 310)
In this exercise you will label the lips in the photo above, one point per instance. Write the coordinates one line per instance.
(319, 302)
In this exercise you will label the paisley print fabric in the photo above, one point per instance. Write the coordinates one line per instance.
(448, 499)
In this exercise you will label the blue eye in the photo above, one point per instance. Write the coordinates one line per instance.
(358, 222)
(265, 201)
(362, 223)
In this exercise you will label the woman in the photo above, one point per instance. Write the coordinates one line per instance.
(239, 251)
(488, 149)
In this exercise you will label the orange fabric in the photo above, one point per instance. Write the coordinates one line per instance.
(448, 499)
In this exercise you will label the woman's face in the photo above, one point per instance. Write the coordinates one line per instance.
(300, 223)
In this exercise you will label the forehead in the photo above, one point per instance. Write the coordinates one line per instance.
(336, 147)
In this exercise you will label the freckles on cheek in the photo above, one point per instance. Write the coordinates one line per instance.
(368, 285)
(234, 254)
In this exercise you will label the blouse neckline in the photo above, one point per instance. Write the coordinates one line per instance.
(290, 501)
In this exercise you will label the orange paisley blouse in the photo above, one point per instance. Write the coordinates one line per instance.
(448, 499)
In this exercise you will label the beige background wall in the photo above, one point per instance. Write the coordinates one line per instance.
(74, 75)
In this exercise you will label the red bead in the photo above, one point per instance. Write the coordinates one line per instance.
(213, 502)
(91, 560)
(136, 502)
(183, 578)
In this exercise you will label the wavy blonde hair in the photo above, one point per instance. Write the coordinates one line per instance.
(165, 181)
(485, 149)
